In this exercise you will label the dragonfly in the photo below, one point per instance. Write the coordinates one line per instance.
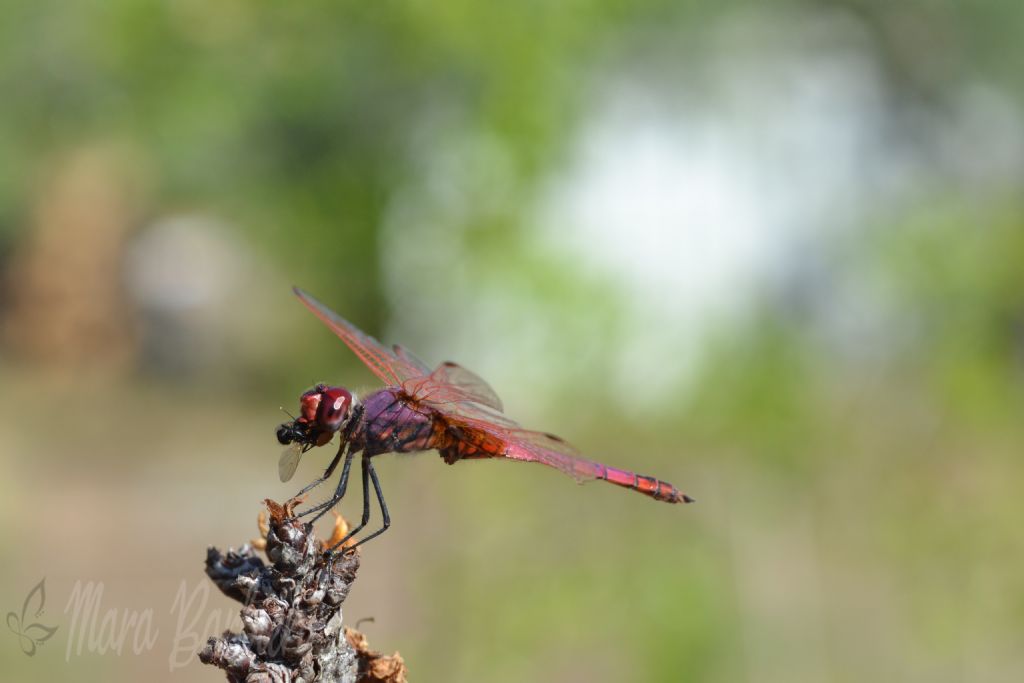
(448, 409)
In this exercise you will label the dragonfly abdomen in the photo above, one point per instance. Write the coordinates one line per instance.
(649, 486)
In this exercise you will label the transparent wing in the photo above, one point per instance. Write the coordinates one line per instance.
(449, 384)
(453, 389)
(553, 451)
(469, 384)
(289, 461)
(515, 443)
(469, 403)
(391, 367)
(475, 412)
(455, 392)
(408, 356)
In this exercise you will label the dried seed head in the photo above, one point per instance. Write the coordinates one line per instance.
(291, 618)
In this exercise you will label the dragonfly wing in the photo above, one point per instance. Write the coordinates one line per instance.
(408, 356)
(389, 366)
(553, 451)
(469, 382)
(476, 412)
(457, 391)
(289, 461)
(526, 445)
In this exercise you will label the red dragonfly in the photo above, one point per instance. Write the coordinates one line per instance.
(449, 409)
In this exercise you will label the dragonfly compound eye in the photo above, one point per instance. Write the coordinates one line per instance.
(309, 402)
(334, 407)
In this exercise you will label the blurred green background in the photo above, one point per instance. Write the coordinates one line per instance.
(770, 252)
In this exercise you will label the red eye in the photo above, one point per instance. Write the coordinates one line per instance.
(308, 404)
(334, 406)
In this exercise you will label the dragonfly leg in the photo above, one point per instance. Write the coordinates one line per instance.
(368, 469)
(327, 474)
(383, 505)
(366, 507)
(339, 492)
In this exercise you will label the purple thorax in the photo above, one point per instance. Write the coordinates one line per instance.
(390, 425)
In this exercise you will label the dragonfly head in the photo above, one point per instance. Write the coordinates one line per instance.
(323, 410)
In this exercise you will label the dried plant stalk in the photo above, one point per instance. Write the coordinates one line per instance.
(292, 628)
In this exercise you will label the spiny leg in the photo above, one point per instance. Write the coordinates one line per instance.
(339, 492)
(326, 475)
(383, 506)
(329, 554)
(368, 472)
(366, 507)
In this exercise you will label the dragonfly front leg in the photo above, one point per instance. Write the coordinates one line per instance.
(326, 475)
(339, 492)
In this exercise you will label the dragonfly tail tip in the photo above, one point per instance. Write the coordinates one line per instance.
(689, 499)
